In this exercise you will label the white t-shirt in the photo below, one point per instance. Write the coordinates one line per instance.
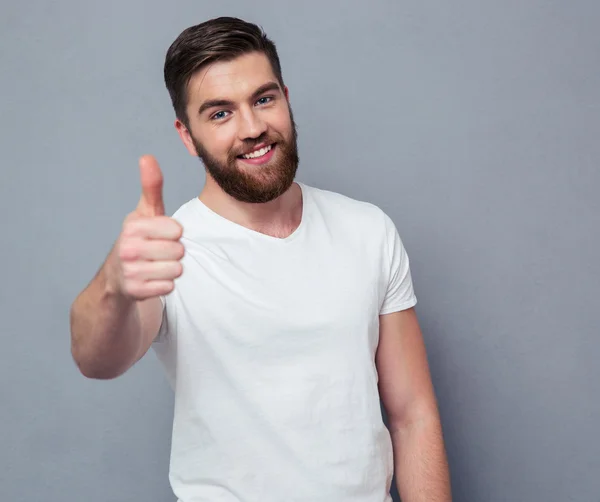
(269, 345)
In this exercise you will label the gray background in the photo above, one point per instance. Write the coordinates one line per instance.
(473, 124)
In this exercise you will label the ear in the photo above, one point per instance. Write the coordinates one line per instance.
(186, 137)
(286, 92)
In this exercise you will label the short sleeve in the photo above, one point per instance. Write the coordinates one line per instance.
(163, 330)
(164, 344)
(400, 293)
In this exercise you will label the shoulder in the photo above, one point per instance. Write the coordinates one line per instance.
(196, 222)
(362, 215)
(187, 211)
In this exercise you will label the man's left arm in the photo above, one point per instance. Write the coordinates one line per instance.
(409, 400)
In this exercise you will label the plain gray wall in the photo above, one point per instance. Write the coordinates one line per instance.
(474, 124)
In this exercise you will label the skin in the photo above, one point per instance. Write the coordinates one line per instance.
(218, 133)
(407, 394)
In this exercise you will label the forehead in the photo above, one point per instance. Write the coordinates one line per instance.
(232, 80)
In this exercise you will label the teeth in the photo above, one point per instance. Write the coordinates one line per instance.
(258, 153)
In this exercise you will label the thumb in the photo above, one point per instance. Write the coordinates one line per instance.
(151, 201)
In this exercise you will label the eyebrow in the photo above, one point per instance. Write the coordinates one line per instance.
(214, 103)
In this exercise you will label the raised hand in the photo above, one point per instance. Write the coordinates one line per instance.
(149, 250)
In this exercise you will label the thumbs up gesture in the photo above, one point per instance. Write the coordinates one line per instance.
(148, 248)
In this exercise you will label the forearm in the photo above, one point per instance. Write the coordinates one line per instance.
(105, 328)
(421, 465)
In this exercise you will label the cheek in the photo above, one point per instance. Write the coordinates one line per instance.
(219, 141)
(223, 140)
(282, 123)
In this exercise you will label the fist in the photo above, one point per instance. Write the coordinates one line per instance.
(149, 250)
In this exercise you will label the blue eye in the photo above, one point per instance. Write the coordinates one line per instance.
(219, 115)
(264, 100)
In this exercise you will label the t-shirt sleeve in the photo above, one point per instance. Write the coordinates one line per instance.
(164, 344)
(400, 293)
(163, 330)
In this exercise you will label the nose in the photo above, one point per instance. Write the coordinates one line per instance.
(251, 124)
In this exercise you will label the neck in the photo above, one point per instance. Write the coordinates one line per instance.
(278, 218)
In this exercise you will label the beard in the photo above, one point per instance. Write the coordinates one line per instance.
(262, 184)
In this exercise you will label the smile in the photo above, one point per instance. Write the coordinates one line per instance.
(258, 153)
(260, 156)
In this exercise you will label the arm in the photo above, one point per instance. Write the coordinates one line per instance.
(110, 331)
(115, 319)
(408, 397)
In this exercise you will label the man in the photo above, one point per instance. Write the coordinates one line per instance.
(281, 313)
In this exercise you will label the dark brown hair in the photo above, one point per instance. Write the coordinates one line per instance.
(219, 39)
